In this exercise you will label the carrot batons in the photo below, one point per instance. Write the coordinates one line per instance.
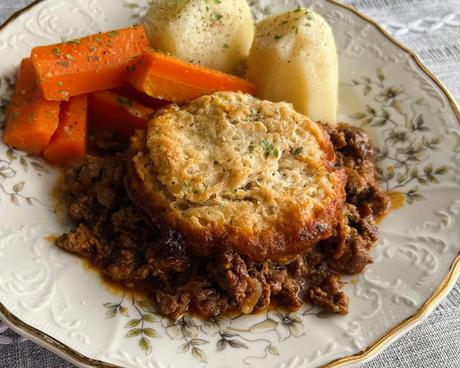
(87, 64)
(141, 97)
(168, 78)
(69, 141)
(30, 120)
(115, 113)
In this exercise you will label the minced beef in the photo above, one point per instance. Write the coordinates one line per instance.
(112, 233)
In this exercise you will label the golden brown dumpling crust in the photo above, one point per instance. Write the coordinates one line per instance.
(229, 171)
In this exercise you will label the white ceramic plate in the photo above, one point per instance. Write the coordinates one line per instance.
(50, 297)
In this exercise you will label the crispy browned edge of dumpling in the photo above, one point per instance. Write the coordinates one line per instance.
(282, 241)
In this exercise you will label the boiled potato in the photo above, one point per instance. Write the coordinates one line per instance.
(294, 59)
(214, 33)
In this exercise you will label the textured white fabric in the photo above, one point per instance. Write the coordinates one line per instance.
(432, 29)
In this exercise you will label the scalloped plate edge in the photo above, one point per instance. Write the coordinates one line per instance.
(370, 352)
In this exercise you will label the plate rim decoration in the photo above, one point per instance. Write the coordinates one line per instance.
(447, 283)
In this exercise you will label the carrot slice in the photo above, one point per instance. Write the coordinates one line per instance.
(30, 120)
(69, 141)
(168, 78)
(116, 113)
(141, 97)
(87, 64)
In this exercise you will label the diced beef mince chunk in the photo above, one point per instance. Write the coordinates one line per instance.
(80, 241)
(329, 296)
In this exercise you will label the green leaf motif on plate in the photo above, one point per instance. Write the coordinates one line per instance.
(199, 355)
(194, 334)
(403, 159)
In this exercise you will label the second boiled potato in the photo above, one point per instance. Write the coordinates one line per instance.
(214, 33)
(294, 59)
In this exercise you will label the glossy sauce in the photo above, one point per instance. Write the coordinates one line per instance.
(397, 200)
(118, 289)
(111, 286)
(60, 203)
(51, 238)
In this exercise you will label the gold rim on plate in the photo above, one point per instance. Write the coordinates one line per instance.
(371, 351)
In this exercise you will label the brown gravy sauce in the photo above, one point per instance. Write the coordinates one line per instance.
(119, 290)
(397, 199)
(114, 288)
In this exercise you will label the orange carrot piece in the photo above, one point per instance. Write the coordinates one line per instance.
(69, 141)
(30, 120)
(87, 64)
(168, 78)
(115, 113)
(141, 97)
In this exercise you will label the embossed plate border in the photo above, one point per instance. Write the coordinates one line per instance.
(445, 286)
